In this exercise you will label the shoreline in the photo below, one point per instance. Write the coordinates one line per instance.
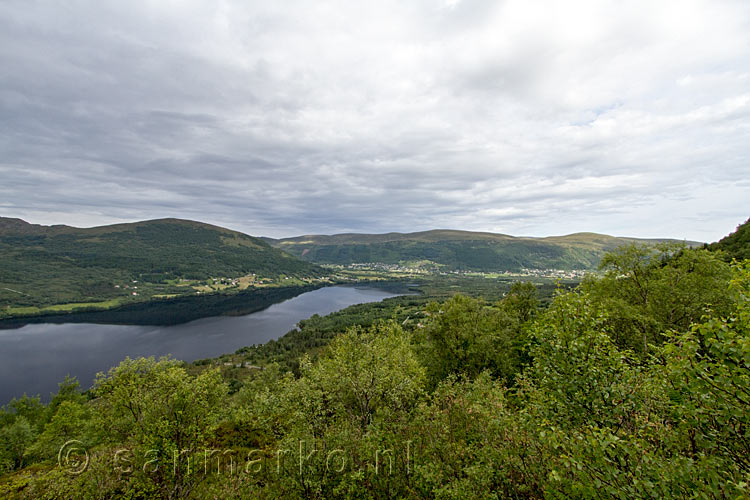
(179, 310)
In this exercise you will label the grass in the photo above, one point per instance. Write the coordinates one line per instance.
(30, 310)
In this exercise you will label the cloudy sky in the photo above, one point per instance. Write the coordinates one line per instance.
(282, 118)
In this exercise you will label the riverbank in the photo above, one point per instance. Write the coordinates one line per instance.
(169, 311)
(178, 310)
(33, 359)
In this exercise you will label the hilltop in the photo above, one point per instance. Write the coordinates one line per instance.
(458, 250)
(45, 265)
(45, 269)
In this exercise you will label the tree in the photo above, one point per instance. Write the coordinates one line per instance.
(647, 290)
(70, 422)
(365, 372)
(347, 407)
(164, 415)
(465, 337)
(521, 301)
(708, 371)
(15, 440)
(578, 375)
(735, 245)
(28, 407)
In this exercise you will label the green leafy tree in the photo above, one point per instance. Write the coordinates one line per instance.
(68, 390)
(735, 245)
(521, 301)
(647, 290)
(71, 421)
(164, 416)
(578, 375)
(15, 440)
(468, 443)
(465, 337)
(350, 402)
(28, 407)
(708, 371)
(365, 372)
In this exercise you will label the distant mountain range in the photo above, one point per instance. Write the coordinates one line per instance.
(108, 266)
(458, 250)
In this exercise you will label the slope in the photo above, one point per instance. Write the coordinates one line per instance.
(43, 265)
(457, 250)
(737, 244)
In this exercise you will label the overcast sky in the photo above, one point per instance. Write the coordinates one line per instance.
(523, 117)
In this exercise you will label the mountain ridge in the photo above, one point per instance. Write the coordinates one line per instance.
(42, 265)
(395, 236)
(460, 250)
(8, 224)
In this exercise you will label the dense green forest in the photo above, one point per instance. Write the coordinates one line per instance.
(457, 250)
(47, 265)
(735, 245)
(635, 384)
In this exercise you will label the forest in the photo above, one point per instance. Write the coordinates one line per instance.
(126, 263)
(634, 384)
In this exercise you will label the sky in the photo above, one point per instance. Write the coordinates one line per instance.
(523, 117)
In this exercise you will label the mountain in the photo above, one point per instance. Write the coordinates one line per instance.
(457, 250)
(736, 245)
(43, 265)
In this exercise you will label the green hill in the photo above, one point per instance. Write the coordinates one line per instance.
(737, 244)
(44, 265)
(457, 250)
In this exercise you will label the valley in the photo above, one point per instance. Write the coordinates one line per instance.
(53, 270)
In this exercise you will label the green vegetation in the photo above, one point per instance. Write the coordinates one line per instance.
(47, 270)
(635, 384)
(31, 310)
(59, 268)
(457, 250)
(737, 244)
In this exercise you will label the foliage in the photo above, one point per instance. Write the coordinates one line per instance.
(466, 337)
(735, 245)
(164, 417)
(578, 375)
(521, 301)
(708, 368)
(452, 399)
(366, 372)
(15, 440)
(648, 290)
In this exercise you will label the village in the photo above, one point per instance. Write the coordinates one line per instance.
(429, 267)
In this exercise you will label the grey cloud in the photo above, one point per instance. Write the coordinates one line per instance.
(319, 117)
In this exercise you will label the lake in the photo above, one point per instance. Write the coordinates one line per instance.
(36, 357)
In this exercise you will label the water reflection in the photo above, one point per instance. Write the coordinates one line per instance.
(34, 358)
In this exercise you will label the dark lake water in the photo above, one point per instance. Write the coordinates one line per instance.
(36, 357)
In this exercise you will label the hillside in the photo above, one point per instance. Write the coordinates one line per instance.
(737, 244)
(457, 250)
(44, 265)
